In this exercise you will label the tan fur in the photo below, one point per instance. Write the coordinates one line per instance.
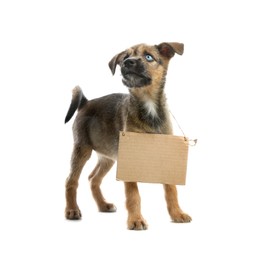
(99, 121)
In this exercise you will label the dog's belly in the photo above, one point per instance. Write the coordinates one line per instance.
(105, 144)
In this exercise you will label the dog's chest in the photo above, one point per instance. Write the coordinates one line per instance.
(147, 116)
(150, 108)
(152, 115)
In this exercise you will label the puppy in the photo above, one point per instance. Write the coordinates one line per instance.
(98, 122)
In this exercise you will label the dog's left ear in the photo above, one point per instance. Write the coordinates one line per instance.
(116, 60)
(168, 49)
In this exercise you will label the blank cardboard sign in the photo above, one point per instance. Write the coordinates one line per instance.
(152, 158)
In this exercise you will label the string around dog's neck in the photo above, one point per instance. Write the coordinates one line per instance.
(191, 142)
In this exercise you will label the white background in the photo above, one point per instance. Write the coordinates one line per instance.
(48, 47)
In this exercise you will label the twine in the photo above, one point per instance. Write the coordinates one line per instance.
(191, 142)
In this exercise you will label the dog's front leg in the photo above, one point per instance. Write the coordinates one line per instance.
(133, 203)
(173, 207)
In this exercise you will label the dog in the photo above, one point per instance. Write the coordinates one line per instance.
(99, 121)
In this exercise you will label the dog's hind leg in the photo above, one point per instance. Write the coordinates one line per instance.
(173, 207)
(103, 166)
(80, 156)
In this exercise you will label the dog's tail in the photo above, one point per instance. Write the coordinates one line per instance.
(78, 101)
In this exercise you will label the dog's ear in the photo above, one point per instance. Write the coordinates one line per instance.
(168, 49)
(116, 60)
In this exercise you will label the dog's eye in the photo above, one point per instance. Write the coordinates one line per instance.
(148, 57)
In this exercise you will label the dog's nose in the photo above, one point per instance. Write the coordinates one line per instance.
(129, 63)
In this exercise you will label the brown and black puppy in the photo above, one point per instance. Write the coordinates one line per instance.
(99, 121)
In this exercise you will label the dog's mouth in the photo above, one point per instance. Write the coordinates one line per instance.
(133, 74)
(133, 79)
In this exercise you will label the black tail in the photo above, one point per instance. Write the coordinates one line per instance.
(78, 100)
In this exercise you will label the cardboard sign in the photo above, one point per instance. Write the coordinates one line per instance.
(152, 158)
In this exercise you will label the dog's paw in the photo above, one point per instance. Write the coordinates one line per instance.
(181, 218)
(137, 224)
(107, 207)
(73, 214)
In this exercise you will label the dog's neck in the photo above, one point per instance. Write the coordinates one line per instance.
(150, 106)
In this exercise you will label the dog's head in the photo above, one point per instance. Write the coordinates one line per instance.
(143, 65)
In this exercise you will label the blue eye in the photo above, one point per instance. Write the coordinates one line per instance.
(148, 57)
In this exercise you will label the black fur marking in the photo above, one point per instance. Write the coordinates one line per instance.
(134, 73)
(78, 102)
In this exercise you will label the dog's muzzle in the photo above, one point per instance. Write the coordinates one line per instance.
(134, 73)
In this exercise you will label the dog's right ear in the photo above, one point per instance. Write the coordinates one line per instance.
(116, 60)
(168, 49)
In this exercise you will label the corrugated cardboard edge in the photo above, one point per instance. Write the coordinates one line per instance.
(149, 158)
